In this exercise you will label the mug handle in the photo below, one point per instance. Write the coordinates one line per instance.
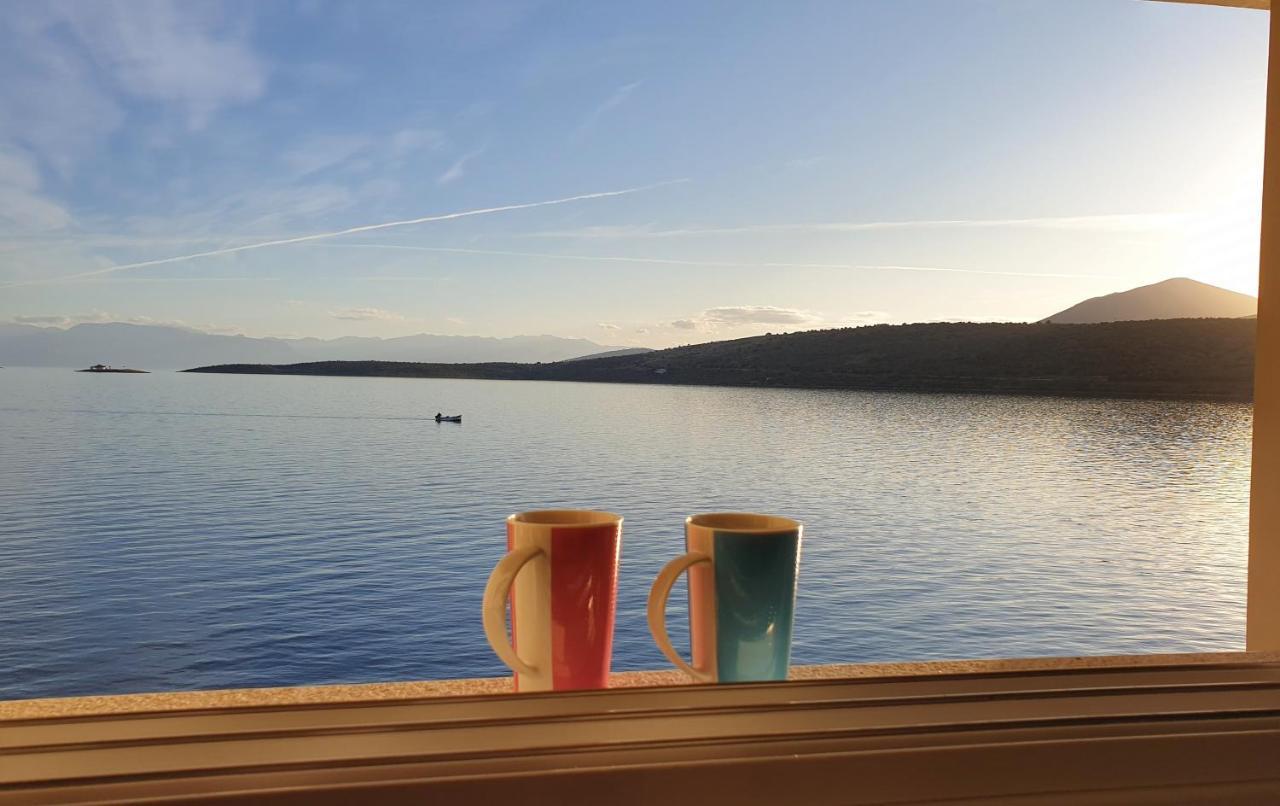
(658, 596)
(496, 593)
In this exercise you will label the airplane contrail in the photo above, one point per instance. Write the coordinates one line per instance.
(719, 264)
(349, 231)
(1107, 222)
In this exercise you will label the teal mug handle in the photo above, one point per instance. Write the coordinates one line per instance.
(658, 596)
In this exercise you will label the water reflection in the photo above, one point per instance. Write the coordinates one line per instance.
(160, 532)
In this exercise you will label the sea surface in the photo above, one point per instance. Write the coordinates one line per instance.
(181, 531)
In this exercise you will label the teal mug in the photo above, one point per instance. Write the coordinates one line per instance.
(742, 591)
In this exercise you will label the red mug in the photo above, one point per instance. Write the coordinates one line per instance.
(562, 605)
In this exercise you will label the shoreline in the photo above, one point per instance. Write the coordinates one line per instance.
(294, 370)
(124, 371)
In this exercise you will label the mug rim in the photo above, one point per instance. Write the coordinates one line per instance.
(566, 518)
(732, 522)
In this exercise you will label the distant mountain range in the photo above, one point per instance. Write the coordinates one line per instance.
(1179, 298)
(161, 347)
(615, 353)
(1177, 358)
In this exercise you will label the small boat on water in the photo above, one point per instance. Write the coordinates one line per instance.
(448, 418)
(105, 368)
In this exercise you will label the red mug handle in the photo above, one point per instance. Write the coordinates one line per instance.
(496, 593)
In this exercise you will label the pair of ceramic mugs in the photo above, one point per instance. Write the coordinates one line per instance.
(742, 585)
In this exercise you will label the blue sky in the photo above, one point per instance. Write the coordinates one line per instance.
(785, 165)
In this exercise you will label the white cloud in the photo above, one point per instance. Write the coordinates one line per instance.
(68, 66)
(759, 318)
(757, 315)
(25, 211)
(866, 317)
(18, 170)
(748, 316)
(57, 321)
(608, 326)
(98, 317)
(368, 315)
(22, 207)
(168, 51)
(458, 168)
(51, 94)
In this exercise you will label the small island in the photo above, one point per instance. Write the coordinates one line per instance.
(107, 368)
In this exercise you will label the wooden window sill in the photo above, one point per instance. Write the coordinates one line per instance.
(1148, 729)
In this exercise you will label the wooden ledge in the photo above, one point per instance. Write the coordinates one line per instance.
(60, 707)
(1166, 729)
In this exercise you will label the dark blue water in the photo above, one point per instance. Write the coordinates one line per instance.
(172, 531)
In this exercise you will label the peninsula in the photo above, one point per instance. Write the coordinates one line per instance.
(1171, 358)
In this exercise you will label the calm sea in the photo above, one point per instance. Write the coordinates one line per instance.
(173, 531)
